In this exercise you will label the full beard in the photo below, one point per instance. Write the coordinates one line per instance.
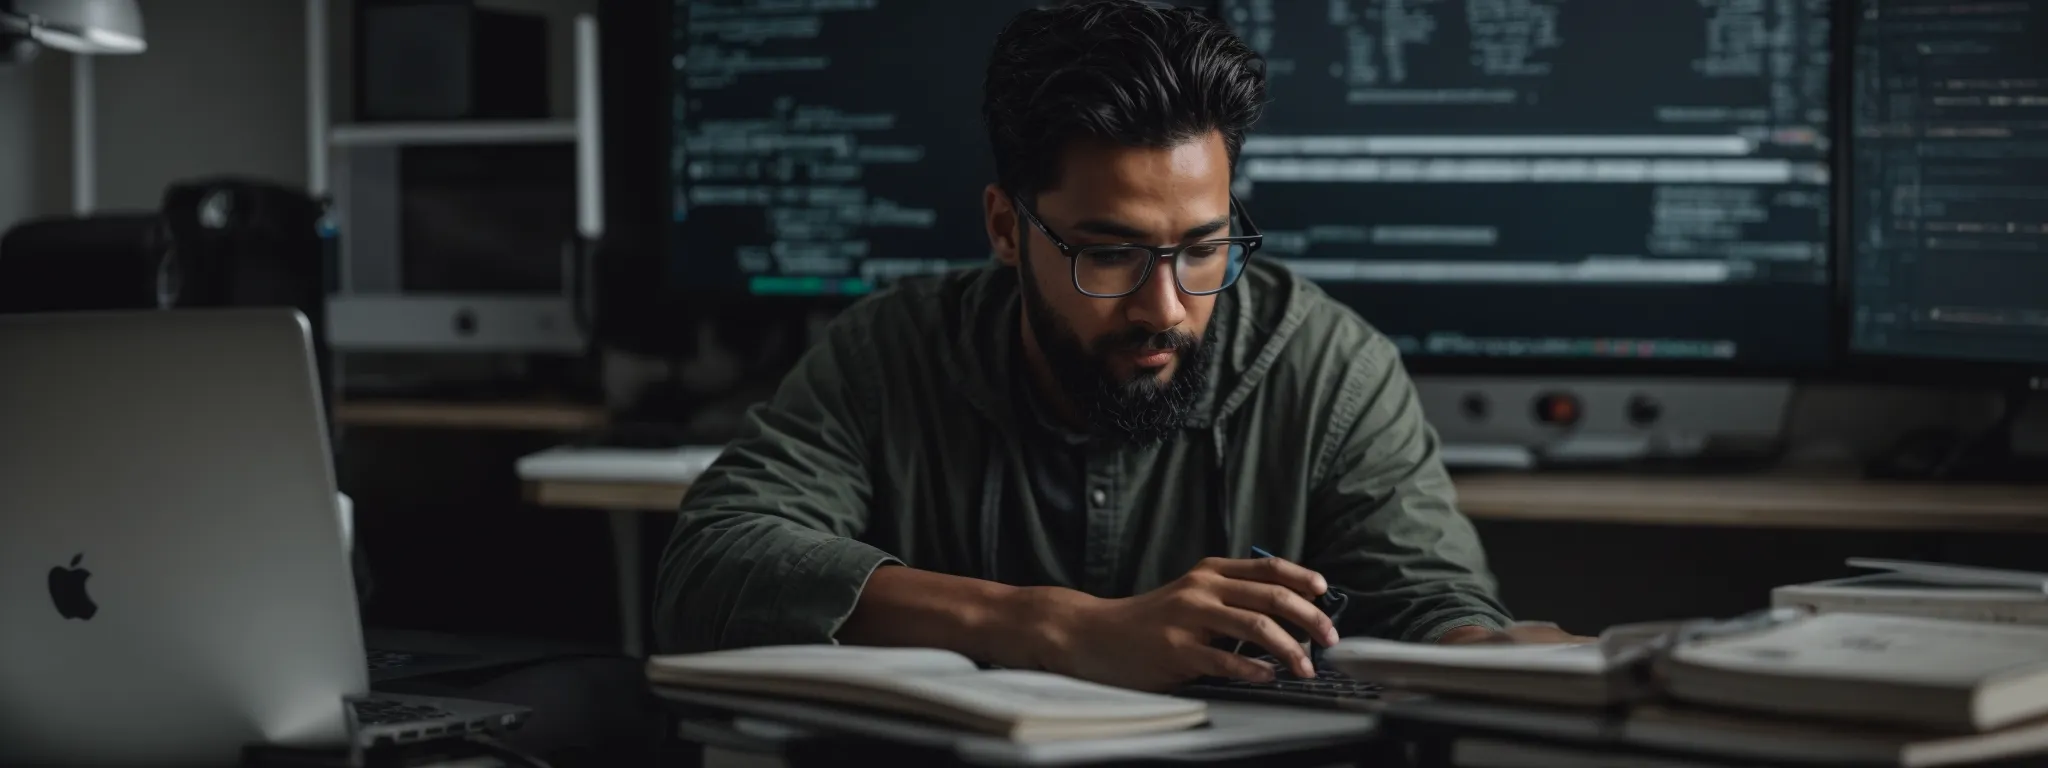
(1138, 409)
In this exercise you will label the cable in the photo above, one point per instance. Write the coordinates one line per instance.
(492, 746)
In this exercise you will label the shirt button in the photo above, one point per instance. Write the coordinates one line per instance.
(1099, 496)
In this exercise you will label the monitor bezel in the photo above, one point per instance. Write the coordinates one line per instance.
(1865, 366)
(637, 308)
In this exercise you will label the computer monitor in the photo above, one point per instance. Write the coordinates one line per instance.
(1947, 269)
(779, 156)
(1628, 194)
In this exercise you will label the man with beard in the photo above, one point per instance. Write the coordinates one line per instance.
(1065, 460)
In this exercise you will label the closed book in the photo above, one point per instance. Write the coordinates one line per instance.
(1765, 738)
(1578, 674)
(1908, 594)
(1937, 674)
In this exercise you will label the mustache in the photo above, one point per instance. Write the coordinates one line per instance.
(1140, 340)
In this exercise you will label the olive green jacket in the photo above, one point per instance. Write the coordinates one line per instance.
(895, 440)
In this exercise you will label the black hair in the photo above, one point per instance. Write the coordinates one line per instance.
(1120, 70)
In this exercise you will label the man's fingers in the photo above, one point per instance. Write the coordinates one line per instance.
(1213, 662)
(1281, 602)
(1263, 631)
(1273, 570)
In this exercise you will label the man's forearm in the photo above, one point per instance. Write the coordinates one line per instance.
(1518, 633)
(984, 620)
(1470, 634)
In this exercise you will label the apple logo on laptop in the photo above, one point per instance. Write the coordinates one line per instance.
(67, 590)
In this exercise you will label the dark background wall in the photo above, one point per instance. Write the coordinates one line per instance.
(454, 547)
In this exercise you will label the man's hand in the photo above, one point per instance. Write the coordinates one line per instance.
(1518, 633)
(1161, 639)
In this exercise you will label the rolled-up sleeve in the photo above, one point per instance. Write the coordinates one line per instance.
(1384, 520)
(765, 548)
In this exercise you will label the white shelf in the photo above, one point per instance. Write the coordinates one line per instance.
(356, 167)
(463, 132)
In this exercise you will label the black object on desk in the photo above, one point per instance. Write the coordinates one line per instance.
(1329, 689)
(397, 654)
(428, 754)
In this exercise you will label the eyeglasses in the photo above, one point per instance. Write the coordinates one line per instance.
(1113, 271)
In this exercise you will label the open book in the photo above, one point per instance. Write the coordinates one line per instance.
(1933, 674)
(1021, 705)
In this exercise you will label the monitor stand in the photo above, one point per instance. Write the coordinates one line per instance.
(1488, 422)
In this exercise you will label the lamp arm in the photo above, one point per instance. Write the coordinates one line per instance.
(17, 38)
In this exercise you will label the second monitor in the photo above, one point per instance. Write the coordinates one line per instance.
(1611, 190)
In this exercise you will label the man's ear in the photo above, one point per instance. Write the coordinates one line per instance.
(999, 215)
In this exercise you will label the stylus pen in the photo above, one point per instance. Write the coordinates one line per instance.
(1260, 553)
(1263, 553)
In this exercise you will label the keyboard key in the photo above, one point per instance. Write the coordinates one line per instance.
(1327, 685)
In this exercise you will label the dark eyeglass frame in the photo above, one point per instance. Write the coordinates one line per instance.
(1251, 240)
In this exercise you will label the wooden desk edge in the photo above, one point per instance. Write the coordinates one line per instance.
(1755, 517)
(536, 416)
(1756, 501)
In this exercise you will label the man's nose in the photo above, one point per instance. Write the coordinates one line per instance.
(1157, 304)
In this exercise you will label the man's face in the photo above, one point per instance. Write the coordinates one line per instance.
(1134, 365)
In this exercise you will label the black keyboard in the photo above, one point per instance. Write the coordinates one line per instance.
(386, 712)
(383, 660)
(1328, 689)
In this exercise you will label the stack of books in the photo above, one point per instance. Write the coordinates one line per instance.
(1813, 680)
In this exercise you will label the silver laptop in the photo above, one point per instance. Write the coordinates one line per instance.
(173, 583)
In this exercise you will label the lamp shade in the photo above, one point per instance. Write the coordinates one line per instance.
(82, 26)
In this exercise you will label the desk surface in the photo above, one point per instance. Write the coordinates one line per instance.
(1757, 501)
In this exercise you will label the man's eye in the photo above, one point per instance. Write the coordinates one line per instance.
(1201, 251)
(1110, 257)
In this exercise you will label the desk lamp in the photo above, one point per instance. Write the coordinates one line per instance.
(77, 26)
(86, 28)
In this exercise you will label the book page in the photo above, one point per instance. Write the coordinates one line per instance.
(1560, 658)
(1901, 649)
(811, 662)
